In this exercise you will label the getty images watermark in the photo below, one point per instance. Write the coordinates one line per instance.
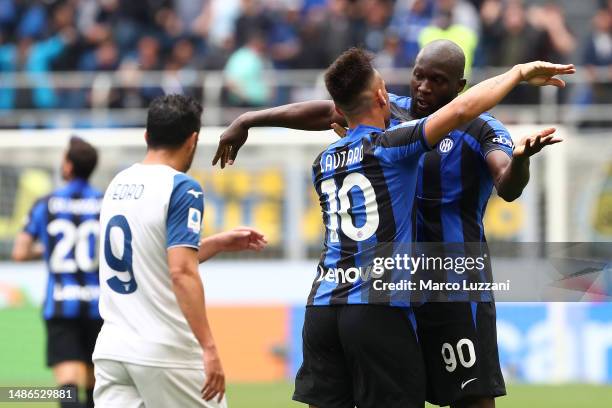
(415, 265)
(448, 272)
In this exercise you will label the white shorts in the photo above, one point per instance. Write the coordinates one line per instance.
(125, 385)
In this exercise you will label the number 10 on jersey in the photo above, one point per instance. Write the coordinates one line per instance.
(341, 196)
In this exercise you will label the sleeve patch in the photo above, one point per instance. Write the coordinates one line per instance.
(194, 220)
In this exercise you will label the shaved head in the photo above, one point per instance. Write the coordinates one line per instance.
(445, 54)
(437, 77)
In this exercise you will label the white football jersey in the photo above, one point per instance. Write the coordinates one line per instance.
(146, 210)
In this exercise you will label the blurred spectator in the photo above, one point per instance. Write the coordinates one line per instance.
(252, 18)
(142, 17)
(192, 15)
(598, 55)
(388, 58)
(512, 35)
(409, 19)
(219, 22)
(340, 28)
(463, 12)
(244, 74)
(283, 39)
(33, 57)
(444, 28)
(559, 42)
(147, 58)
(103, 58)
(313, 55)
(180, 37)
(377, 14)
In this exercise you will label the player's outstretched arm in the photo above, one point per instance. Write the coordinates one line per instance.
(511, 175)
(25, 248)
(238, 239)
(489, 93)
(189, 292)
(313, 115)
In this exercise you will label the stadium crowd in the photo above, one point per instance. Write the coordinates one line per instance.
(246, 37)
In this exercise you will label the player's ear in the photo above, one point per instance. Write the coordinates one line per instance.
(194, 140)
(461, 85)
(380, 97)
(67, 169)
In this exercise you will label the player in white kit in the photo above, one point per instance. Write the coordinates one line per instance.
(156, 348)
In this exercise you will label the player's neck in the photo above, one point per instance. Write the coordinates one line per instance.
(366, 119)
(164, 157)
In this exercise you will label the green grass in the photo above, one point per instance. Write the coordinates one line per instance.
(22, 354)
(278, 395)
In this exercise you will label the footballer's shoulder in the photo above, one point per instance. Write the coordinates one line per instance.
(400, 108)
(481, 126)
(186, 184)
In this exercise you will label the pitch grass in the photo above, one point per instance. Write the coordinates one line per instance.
(22, 351)
(278, 395)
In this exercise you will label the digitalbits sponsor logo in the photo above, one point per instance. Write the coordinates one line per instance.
(502, 140)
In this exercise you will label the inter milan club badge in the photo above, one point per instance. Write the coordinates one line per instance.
(445, 145)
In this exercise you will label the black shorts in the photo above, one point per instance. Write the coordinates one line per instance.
(360, 355)
(459, 343)
(71, 339)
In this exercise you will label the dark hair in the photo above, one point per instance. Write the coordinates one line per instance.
(348, 76)
(83, 157)
(171, 120)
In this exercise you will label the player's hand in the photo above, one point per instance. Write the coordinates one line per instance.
(541, 73)
(231, 141)
(340, 130)
(530, 145)
(241, 239)
(214, 386)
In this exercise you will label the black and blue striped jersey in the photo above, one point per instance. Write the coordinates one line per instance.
(454, 182)
(66, 222)
(366, 186)
(446, 190)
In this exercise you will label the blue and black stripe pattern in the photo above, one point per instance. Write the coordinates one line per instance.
(454, 182)
(366, 186)
(66, 222)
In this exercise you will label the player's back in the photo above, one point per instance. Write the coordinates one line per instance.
(146, 210)
(366, 183)
(66, 222)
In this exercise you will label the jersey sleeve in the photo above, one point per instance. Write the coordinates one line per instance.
(402, 102)
(405, 141)
(185, 209)
(35, 222)
(494, 136)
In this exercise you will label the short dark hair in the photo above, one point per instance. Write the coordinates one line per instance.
(83, 157)
(348, 76)
(171, 120)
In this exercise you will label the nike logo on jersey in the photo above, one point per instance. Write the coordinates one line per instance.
(194, 193)
(463, 384)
